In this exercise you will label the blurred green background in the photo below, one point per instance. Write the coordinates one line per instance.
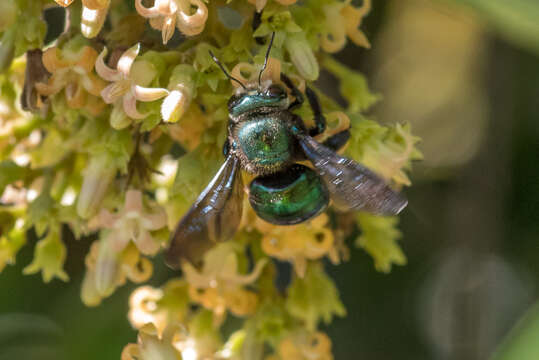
(465, 74)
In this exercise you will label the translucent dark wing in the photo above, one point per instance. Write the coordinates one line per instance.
(214, 217)
(351, 185)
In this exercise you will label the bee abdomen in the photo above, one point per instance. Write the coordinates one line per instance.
(288, 197)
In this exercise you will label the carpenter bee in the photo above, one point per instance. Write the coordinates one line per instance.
(267, 140)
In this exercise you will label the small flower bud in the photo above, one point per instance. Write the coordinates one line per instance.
(182, 87)
(106, 268)
(302, 55)
(97, 178)
(92, 21)
(89, 294)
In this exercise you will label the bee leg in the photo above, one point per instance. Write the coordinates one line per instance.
(295, 92)
(337, 141)
(257, 20)
(319, 119)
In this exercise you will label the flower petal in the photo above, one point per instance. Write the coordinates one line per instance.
(195, 278)
(75, 95)
(114, 91)
(106, 219)
(157, 23)
(86, 59)
(169, 25)
(130, 107)
(192, 24)
(127, 59)
(249, 278)
(133, 201)
(53, 86)
(144, 11)
(149, 94)
(156, 220)
(146, 243)
(64, 3)
(103, 70)
(52, 61)
(119, 240)
(93, 84)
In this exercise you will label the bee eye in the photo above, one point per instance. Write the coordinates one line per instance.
(275, 91)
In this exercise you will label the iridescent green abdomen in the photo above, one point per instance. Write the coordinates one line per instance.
(288, 197)
(264, 144)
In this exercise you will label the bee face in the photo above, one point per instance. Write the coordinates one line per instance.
(251, 100)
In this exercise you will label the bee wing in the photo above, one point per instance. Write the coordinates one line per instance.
(214, 217)
(352, 186)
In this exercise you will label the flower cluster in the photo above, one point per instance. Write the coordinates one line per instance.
(113, 129)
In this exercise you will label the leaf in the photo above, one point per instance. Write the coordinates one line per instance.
(379, 237)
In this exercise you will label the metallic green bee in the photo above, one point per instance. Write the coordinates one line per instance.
(266, 139)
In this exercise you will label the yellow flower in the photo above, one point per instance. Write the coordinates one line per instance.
(73, 73)
(297, 243)
(247, 73)
(219, 285)
(127, 85)
(390, 160)
(342, 19)
(306, 346)
(159, 307)
(106, 270)
(336, 122)
(134, 224)
(165, 15)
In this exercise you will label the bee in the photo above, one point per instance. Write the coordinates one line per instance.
(265, 138)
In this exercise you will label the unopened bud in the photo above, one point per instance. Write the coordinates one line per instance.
(92, 21)
(302, 55)
(97, 177)
(106, 268)
(182, 87)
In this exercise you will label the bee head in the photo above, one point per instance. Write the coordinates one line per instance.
(272, 95)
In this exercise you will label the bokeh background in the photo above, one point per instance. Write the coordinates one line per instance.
(465, 74)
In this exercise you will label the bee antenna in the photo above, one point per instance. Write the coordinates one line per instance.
(266, 59)
(224, 71)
